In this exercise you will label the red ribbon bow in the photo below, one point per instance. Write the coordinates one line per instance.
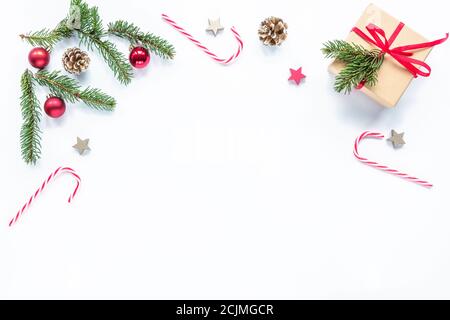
(403, 53)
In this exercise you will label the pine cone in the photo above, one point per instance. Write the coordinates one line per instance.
(273, 31)
(75, 61)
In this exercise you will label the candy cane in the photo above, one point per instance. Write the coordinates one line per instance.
(205, 49)
(57, 172)
(376, 165)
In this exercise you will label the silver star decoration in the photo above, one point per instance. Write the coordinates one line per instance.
(82, 146)
(397, 139)
(214, 26)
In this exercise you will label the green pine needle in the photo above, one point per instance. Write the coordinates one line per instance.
(69, 90)
(59, 85)
(115, 59)
(343, 51)
(92, 23)
(47, 38)
(30, 135)
(129, 31)
(91, 34)
(97, 99)
(362, 65)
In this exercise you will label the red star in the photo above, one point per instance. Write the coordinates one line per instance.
(296, 75)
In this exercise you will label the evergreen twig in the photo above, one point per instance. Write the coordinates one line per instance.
(47, 38)
(58, 84)
(70, 90)
(96, 99)
(30, 134)
(362, 65)
(113, 57)
(61, 86)
(92, 34)
(131, 32)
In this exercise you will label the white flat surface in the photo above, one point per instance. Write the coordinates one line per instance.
(229, 182)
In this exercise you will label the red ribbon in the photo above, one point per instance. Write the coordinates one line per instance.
(403, 53)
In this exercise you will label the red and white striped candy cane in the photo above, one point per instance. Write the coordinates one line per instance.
(205, 49)
(376, 165)
(57, 172)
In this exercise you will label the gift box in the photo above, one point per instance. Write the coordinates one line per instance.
(393, 77)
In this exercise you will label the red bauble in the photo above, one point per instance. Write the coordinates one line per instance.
(139, 57)
(54, 107)
(39, 58)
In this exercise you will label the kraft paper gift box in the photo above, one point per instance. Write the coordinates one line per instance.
(393, 78)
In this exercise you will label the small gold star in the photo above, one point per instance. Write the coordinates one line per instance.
(214, 26)
(397, 139)
(82, 146)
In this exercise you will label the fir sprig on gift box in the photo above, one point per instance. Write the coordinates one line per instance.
(85, 22)
(361, 65)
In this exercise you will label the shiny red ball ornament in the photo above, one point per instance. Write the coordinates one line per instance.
(39, 58)
(54, 107)
(139, 57)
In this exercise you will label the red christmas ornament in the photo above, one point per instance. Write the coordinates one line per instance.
(39, 58)
(139, 57)
(54, 107)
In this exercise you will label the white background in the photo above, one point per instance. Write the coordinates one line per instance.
(228, 182)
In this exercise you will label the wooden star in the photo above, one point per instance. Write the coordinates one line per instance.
(296, 75)
(214, 26)
(82, 146)
(397, 139)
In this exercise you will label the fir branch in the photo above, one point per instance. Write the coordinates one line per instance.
(58, 84)
(344, 51)
(131, 32)
(30, 134)
(70, 90)
(362, 65)
(47, 38)
(91, 36)
(97, 99)
(92, 23)
(113, 57)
